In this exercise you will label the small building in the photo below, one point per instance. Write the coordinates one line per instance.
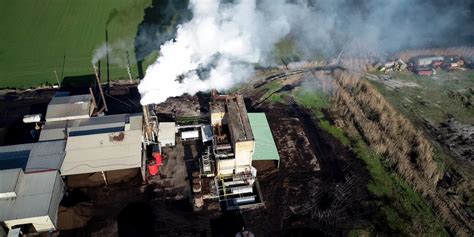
(427, 61)
(70, 107)
(30, 199)
(265, 148)
(167, 133)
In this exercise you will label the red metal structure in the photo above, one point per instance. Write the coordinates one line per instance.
(158, 158)
(153, 168)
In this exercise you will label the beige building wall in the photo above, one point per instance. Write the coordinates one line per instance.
(41, 223)
(217, 118)
(243, 153)
(225, 166)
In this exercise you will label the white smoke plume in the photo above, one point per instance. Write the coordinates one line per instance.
(225, 38)
(117, 52)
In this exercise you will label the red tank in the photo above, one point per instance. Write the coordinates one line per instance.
(158, 159)
(153, 168)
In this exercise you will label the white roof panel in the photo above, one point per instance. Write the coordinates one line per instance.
(190, 134)
(167, 133)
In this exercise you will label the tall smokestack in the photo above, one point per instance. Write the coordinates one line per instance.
(107, 58)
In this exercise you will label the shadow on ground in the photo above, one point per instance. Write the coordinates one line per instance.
(158, 26)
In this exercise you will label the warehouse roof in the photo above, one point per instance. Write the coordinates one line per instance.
(38, 194)
(112, 123)
(46, 156)
(8, 185)
(265, 148)
(102, 152)
(33, 157)
(69, 107)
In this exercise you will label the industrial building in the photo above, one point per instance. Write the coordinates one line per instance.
(30, 200)
(71, 142)
(74, 141)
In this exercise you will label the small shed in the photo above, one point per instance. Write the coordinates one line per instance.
(69, 107)
(265, 148)
(167, 133)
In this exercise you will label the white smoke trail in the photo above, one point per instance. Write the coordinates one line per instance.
(224, 38)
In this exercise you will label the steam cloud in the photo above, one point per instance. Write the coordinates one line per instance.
(116, 52)
(223, 41)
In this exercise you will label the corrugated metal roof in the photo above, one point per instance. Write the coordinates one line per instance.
(46, 156)
(34, 197)
(265, 148)
(9, 179)
(15, 156)
(69, 106)
(52, 134)
(102, 152)
(33, 157)
(167, 133)
(206, 133)
(70, 99)
(55, 130)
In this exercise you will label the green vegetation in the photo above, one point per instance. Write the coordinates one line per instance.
(398, 203)
(435, 97)
(404, 208)
(39, 37)
(286, 51)
(314, 100)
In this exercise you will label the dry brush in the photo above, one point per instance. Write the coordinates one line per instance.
(359, 107)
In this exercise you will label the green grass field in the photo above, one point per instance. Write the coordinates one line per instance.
(435, 97)
(38, 37)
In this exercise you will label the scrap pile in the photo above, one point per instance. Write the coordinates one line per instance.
(427, 65)
(393, 65)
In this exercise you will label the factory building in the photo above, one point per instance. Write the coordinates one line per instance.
(71, 142)
(234, 143)
(238, 140)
